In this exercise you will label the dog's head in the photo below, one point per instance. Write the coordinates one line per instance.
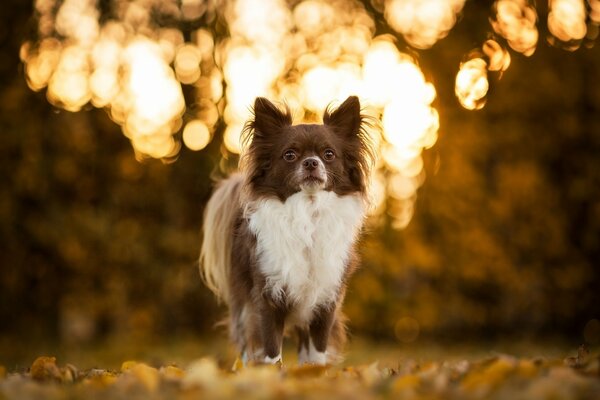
(282, 159)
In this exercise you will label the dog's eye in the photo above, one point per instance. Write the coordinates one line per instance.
(328, 155)
(289, 155)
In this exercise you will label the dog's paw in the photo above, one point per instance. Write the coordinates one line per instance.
(276, 360)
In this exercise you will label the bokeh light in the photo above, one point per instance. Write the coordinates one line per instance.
(317, 54)
(594, 11)
(498, 57)
(69, 87)
(308, 54)
(472, 84)
(567, 21)
(78, 19)
(196, 135)
(123, 65)
(41, 63)
(472, 81)
(422, 22)
(515, 20)
(187, 64)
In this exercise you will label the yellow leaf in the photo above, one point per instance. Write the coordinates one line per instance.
(127, 365)
(203, 372)
(490, 376)
(44, 368)
(147, 375)
(172, 372)
(100, 378)
(237, 365)
(371, 373)
(108, 379)
(307, 370)
(406, 382)
(527, 369)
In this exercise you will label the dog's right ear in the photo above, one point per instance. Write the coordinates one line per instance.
(268, 119)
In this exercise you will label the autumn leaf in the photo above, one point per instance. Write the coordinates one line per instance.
(502, 376)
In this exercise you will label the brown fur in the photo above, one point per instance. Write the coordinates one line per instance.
(228, 258)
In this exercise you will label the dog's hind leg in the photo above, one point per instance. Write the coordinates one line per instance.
(303, 345)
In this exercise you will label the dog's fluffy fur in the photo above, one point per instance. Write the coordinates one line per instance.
(279, 237)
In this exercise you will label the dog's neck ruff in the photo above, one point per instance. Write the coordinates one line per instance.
(304, 245)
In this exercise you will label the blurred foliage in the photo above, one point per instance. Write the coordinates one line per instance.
(506, 236)
(499, 377)
(504, 240)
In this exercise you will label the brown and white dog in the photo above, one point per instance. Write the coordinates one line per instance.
(279, 237)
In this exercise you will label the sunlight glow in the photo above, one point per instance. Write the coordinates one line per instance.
(196, 135)
(471, 84)
(422, 22)
(567, 21)
(41, 64)
(318, 54)
(187, 64)
(515, 20)
(309, 56)
(123, 65)
(151, 109)
(78, 19)
(594, 11)
(68, 87)
(253, 58)
(498, 57)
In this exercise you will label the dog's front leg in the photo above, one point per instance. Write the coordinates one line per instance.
(272, 322)
(320, 329)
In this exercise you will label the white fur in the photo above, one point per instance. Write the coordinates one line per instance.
(303, 355)
(275, 360)
(310, 355)
(303, 246)
(321, 172)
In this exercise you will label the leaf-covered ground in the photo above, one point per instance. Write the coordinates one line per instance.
(498, 376)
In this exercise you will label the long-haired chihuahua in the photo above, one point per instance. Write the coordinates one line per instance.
(279, 237)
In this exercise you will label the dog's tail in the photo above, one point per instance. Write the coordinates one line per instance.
(217, 231)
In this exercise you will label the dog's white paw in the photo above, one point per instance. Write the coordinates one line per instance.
(275, 360)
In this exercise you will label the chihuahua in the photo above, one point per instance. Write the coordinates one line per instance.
(279, 237)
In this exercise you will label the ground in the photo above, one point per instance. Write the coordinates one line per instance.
(196, 369)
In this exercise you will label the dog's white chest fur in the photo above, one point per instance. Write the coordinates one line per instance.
(303, 246)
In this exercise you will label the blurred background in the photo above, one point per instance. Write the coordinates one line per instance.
(116, 116)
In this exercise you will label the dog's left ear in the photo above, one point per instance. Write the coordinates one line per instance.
(346, 119)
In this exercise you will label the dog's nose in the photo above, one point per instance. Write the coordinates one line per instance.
(310, 163)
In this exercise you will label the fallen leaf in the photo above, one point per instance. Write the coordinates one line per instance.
(146, 374)
(406, 382)
(527, 369)
(203, 373)
(69, 373)
(45, 368)
(306, 370)
(237, 365)
(171, 372)
(127, 365)
(484, 380)
(100, 378)
(371, 374)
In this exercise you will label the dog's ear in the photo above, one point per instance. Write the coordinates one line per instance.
(346, 119)
(268, 119)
